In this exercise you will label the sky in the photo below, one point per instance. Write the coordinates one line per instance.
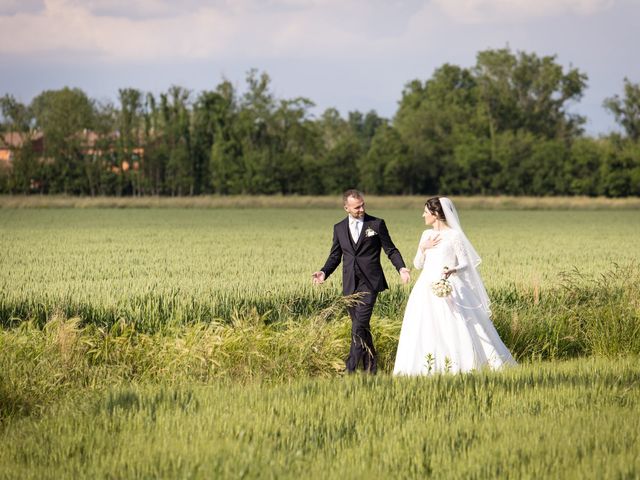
(344, 54)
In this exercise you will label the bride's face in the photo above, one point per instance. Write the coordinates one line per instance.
(429, 218)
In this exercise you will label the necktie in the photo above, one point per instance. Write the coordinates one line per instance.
(355, 230)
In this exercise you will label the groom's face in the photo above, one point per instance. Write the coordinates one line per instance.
(355, 207)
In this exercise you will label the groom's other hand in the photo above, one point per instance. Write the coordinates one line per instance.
(405, 276)
(318, 278)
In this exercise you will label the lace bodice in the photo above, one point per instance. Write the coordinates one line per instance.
(450, 252)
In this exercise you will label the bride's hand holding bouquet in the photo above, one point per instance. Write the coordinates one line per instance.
(443, 288)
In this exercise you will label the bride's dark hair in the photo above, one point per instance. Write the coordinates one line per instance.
(435, 207)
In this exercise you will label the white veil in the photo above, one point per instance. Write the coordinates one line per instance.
(470, 273)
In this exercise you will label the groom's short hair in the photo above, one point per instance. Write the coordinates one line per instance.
(352, 192)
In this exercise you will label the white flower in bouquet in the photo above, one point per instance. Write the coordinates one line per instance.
(442, 288)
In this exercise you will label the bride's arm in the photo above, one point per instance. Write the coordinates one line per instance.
(461, 256)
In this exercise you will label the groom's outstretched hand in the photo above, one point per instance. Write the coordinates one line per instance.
(318, 277)
(405, 276)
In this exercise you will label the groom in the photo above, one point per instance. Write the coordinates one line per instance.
(357, 240)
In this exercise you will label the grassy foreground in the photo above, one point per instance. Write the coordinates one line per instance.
(189, 343)
(564, 420)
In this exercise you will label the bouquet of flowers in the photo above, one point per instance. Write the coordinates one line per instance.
(442, 288)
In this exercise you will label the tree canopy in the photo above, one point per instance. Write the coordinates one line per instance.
(502, 126)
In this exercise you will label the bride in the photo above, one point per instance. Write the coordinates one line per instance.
(453, 333)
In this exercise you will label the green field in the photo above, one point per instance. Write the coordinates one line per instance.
(149, 265)
(194, 336)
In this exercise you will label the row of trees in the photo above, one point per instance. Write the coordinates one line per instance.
(501, 127)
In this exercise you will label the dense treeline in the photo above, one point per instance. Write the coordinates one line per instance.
(502, 126)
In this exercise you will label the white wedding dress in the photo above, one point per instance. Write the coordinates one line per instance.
(454, 333)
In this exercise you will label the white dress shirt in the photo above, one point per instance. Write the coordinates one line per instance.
(355, 226)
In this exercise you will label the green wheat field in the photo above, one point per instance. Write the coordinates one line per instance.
(189, 343)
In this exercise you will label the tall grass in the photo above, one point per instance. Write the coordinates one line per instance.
(561, 420)
(584, 315)
(39, 365)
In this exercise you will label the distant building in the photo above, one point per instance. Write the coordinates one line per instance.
(12, 142)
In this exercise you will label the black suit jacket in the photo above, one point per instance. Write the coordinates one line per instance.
(363, 256)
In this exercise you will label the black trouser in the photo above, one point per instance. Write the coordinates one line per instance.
(361, 340)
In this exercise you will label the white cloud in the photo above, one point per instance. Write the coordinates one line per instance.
(69, 26)
(149, 30)
(489, 11)
(152, 29)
